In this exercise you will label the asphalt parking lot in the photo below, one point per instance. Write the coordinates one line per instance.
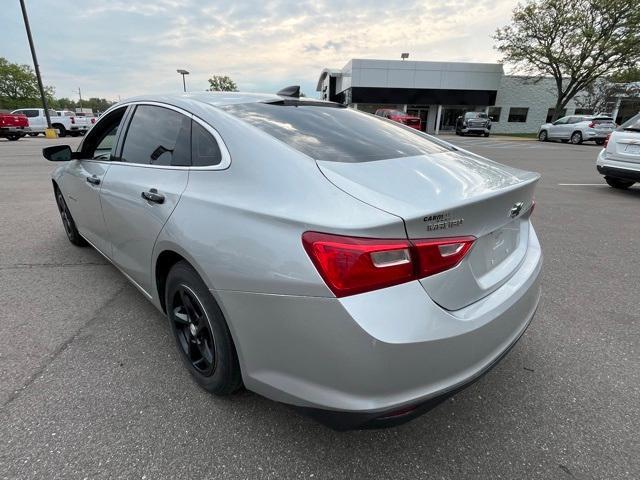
(91, 385)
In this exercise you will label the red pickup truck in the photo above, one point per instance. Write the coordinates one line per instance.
(13, 127)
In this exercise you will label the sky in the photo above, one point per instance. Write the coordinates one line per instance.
(121, 48)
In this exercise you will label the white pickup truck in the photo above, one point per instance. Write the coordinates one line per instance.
(66, 122)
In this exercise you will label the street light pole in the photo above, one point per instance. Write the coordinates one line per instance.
(183, 72)
(35, 63)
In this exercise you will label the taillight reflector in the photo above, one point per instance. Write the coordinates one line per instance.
(351, 265)
(606, 141)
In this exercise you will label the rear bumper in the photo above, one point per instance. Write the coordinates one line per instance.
(350, 361)
(12, 130)
(617, 169)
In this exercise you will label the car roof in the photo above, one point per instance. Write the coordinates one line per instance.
(217, 99)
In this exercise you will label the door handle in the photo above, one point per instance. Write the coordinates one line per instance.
(153, 196)
(93, 180)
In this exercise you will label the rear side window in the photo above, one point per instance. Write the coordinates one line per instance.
(633, 124)
(158, 136)
(334, 134)
(31, 113)
(205, 150)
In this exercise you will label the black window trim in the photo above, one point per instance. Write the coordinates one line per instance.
(225, 161)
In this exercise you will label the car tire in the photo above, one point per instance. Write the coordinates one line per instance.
(34, 134)
(67, 221)
(576, 138)
(543, 136)
(619, 183)
(201, 333)
(486, 135)
(600, 141)
(62, 132)
(14, 137)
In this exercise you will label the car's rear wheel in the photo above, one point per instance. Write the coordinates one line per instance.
(600, 141)
(576, 138)
(619, 183)
(13, 138)
(33, 134)
(486, 134)
(67, 221)
(542, 136)
(201, 332)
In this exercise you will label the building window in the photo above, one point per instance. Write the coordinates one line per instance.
(551, 111)
(494, 113)
(518, 114)
(584, 111)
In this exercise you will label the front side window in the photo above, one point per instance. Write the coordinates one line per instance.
(518, 114)
(561, 121)
(100, 142)
(158, 136)
(31, 113)
(334, 134)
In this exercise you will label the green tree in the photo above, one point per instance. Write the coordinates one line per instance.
(576, 42)
(220, 83)
(19, 86)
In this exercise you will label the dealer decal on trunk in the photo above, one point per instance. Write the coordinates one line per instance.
(441, 221)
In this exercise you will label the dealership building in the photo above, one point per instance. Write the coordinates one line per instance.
(438, 92)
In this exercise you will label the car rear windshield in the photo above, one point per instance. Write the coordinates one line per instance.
(632, 124)
(334, 134)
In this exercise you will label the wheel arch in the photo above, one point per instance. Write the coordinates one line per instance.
(167, 257)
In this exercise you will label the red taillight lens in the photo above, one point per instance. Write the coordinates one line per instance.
(73, 120)
(592, 125)
(351, 265)
(440, 254)
(93, 120)
(606, 141)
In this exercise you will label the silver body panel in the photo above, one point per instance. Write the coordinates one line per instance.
(240, 226)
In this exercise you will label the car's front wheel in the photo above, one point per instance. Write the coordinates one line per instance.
(619, 183)
(201, 332)
(542, 136)
(576, 138)
(67, 221)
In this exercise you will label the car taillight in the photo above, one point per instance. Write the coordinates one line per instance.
(73, 120)
(93, 120)
(592, 125)
(351, 265)
(606, 141)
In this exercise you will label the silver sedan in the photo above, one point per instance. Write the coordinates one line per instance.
(345, 264)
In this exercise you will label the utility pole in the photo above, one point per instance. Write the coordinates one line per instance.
(80, 95)
(35, 63)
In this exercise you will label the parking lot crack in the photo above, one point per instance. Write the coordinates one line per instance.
(61, 348)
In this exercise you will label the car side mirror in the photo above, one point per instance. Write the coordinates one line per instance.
(58, 153)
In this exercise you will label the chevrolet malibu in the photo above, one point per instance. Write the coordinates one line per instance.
(340, 262)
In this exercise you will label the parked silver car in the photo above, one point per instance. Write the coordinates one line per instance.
(619, 161)
(577, 129)
(348, 265)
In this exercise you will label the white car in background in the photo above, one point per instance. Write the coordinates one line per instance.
(619, 161)
(65, 122)
(577, 129)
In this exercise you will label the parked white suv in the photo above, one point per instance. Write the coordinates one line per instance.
(577, 129)
(619, 161)
(64, 123)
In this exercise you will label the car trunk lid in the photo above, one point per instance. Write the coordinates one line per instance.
(624, 146)
(451, 194)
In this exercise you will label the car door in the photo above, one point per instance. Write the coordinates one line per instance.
(558, 128)
(83, 178)
(141, 189)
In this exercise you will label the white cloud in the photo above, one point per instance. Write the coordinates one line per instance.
(129, 47)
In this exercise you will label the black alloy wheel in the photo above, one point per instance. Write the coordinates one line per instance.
(201, 331)
(67, 221)
(193, 330)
